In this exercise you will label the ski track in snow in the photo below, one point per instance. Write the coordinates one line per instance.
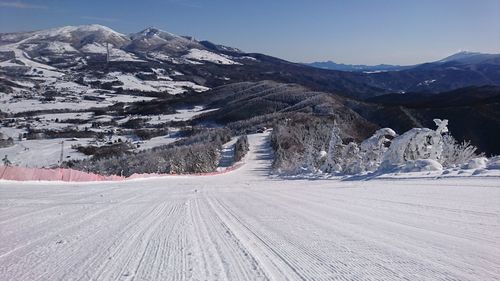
(245, 225)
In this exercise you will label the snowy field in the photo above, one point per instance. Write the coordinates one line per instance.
(46, 152)
(180, 115)
(244, 225)
(43, 153)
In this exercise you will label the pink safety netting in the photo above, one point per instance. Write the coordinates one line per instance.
(40, 174)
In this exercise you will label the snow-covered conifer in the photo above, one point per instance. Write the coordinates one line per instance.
(351, 159)
(374, 148)
(335, 151)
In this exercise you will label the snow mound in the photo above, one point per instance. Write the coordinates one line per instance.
(477, 163)
(494, 163)
(421, 165)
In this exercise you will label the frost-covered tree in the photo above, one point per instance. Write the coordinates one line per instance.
(455, 153)
(351, 161)
(335, 151)
(442, 126)
(309, 164)
(417, 143)
(298, 143)
(374, 148)
(199, 153)
(241, 148)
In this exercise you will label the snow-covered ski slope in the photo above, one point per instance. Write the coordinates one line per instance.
(244, 225)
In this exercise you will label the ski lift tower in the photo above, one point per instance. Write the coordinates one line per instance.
(61, 156)
(107, 52)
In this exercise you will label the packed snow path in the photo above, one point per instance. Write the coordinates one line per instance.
(244, 225)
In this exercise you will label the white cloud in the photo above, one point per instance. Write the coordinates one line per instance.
(20, 5)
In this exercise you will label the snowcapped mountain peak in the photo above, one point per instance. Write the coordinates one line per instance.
(76, 36)
(460, 56)
(152, 32)
(88, 28)
(97, 28)
(156, 39)
(71, 31)
(467, 57)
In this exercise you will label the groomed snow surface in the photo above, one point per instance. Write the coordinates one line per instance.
(244, 225)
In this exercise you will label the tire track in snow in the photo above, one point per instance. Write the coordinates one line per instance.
(383, 244)
(96, 240)
(271, 261)
(414, 215)
(311, 258)
(232, 261)
(106, 258)
(129, 255)
(64, 228)
(246, 226)
(79, 196)
(297, 255)
(70, 237)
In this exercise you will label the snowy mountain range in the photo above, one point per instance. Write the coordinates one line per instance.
(57, 58)
(98, 53)
(80, 44)
(95, 72)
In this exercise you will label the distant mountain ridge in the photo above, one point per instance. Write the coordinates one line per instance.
(81, 52)
(462, 57)
(469, 57)
(355, 67)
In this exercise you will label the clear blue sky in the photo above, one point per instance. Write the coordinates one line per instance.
(348, 31)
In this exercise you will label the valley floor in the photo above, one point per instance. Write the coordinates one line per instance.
(244, 225)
